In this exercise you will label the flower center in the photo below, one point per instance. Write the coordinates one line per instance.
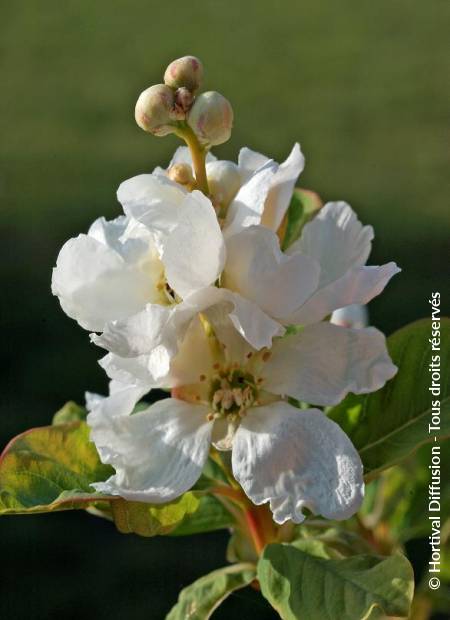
(232, 391)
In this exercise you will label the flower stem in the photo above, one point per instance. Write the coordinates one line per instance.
(198, 154)
(255, 530)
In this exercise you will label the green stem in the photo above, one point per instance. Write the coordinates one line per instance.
(198, 154)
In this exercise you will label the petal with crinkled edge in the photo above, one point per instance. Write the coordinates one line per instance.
(248, 205)
(99, 278)
(258, 270)
(324, 362)
(296, 459)
(194, 254)
(336, 239)
(357, 286)
(158, 453)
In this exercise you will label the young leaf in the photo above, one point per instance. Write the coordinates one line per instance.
(150, 519)
(210, 515)
(70, 412)
(301, 585)
(200, 599)
(390, 424)
(398, 498)
(50, 468)
(304, 205)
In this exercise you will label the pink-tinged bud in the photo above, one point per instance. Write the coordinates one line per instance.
(211, 118)
(224, 181)
(184, 72)
(154, 110)
(183, 102)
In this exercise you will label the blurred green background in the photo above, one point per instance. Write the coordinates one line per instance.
(362, 85)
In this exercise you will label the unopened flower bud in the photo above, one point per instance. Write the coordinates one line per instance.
(182, 174)
(211, 118)
(183, 101)
(224, 181)
(154, 110)
(184, 72)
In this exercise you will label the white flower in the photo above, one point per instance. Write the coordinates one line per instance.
(142, 278)
(226, 392)
(334, 248)
(254, 191)
(129, 278)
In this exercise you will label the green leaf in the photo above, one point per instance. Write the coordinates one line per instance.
(303, 207)
(199, 600)
(398, 498)
(389, 425)
(50, 468)
(240, 548)
(301, 585)
(150, 519)
(70, 412)
(331, 542)
(210, 515)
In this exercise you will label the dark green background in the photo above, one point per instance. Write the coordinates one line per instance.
(362, 85)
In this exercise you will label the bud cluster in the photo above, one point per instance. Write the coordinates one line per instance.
(174, 106)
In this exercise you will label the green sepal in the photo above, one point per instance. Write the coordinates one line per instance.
(300, 584)
(199, 600)
(389, 425)
(303, 207)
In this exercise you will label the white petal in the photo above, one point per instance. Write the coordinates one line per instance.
(248, 205)
(249, 162)
(357, 286)
(153, 200)
(255, 326)
(251, 322)
(194, 253)
(158, 454)
(336, 239)
(257, 269)
(120, 402)
(194, 358)
(96, 283)
(323, 363)
(297, 459)
(356, 316)
(281, 189)
(136, 335)
(147, 370)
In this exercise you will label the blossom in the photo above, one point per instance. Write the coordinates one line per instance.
(225, 392)
(321, 272)
(127, 277)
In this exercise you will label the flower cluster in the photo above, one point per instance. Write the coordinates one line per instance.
(189, 290)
